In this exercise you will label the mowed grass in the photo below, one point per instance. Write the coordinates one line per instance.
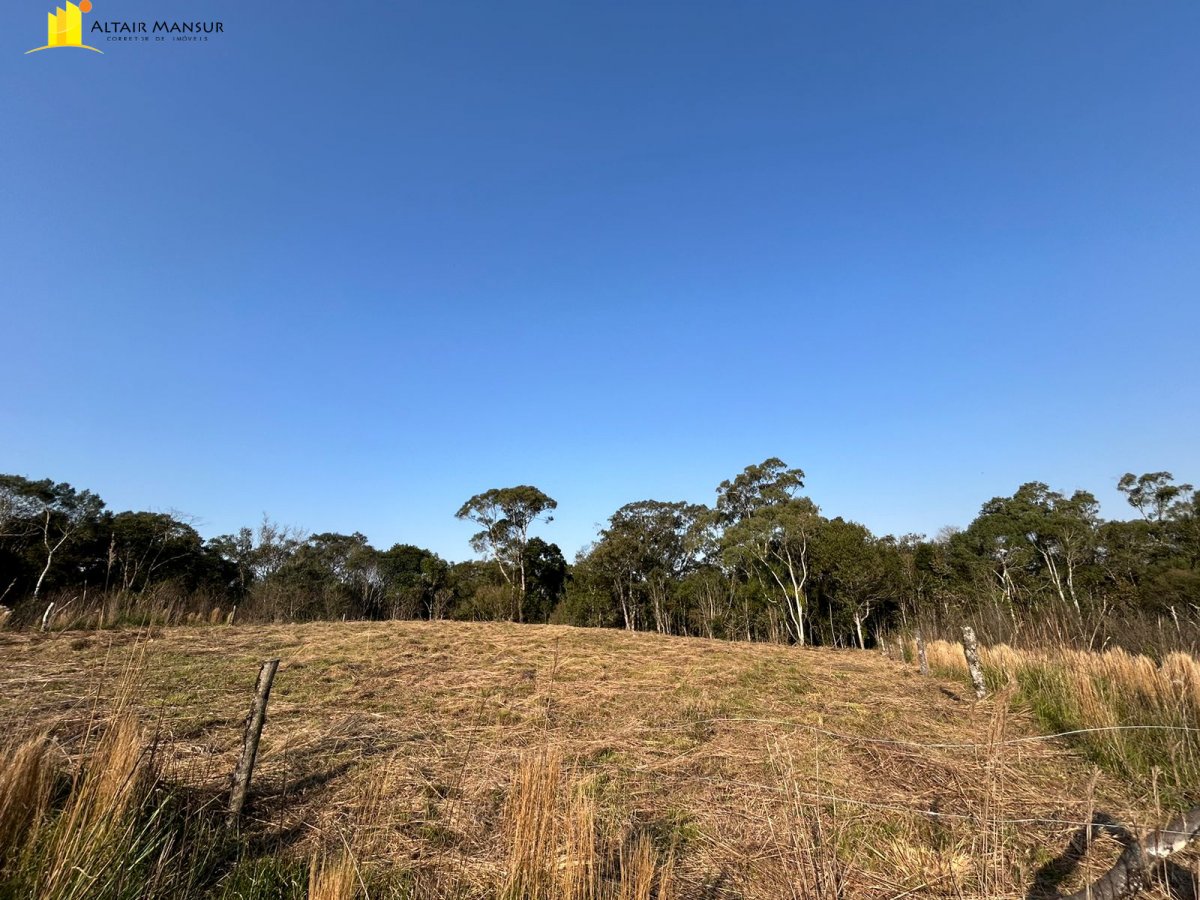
(416, 759)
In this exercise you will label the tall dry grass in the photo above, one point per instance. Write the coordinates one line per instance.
(1154, 633)
(560, 847)
(333, 878)
(26, 783)
(101, 830)
(813, 833)
(99, 844)
(109, 828)
(161, 605)
(1137, 718)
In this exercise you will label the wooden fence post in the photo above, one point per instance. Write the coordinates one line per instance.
(922, 659)
(254, 726)
(971, 652)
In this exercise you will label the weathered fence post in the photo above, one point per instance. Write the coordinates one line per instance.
(254, 726)
(971, 652)
(922, 659)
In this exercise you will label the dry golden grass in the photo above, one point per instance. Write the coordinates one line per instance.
(559, 849)
(486, 761)
(26, 781)
(580, 868)
(1171, 686)
(332, 878)
(1136, 717)
(88, 830)
(530, 829)
(97, 827)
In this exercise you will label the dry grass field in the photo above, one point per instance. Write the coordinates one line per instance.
(416, 759)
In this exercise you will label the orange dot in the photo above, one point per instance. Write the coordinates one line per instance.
(85, 6)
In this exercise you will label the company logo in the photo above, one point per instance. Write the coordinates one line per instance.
(64, 27)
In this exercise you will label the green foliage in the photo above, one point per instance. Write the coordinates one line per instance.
(770, 483)
(763, 563)
(1156, 496)
(505, 516)
(771, 543)
(546, 574)
(265, 878)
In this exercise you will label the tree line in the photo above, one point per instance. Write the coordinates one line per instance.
(761, 563)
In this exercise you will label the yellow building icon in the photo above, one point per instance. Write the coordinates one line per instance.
(64, 28)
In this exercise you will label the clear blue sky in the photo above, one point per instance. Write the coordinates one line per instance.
(351, 264)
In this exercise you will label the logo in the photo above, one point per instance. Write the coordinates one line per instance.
(64, 27)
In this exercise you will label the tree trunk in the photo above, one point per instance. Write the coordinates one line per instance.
(971, 652)
(521, 596)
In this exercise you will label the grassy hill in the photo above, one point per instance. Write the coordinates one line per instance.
(491, 760)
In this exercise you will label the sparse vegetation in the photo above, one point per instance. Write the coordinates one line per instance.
(447, 760)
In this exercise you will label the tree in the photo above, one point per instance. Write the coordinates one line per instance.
(259, 553)
(546, 574)
(237, 552)
(918, 571)
(710, 594)
(505, 516)
(415, 581)
(147, 547)
(650, 542)
(1159, 556)
(767, 529)
(770, 483)
(612, 566)
(49, 513)
(329, 576)
(1155, 495)
(771, 543)
(1062, 530)
(850, 569)
(994, 556)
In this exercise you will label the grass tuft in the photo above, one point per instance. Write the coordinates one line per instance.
(333, 878)
(1137, 719)
(26, 782)
(559, 847)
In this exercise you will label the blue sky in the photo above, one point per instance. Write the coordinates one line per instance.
(349, 265)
